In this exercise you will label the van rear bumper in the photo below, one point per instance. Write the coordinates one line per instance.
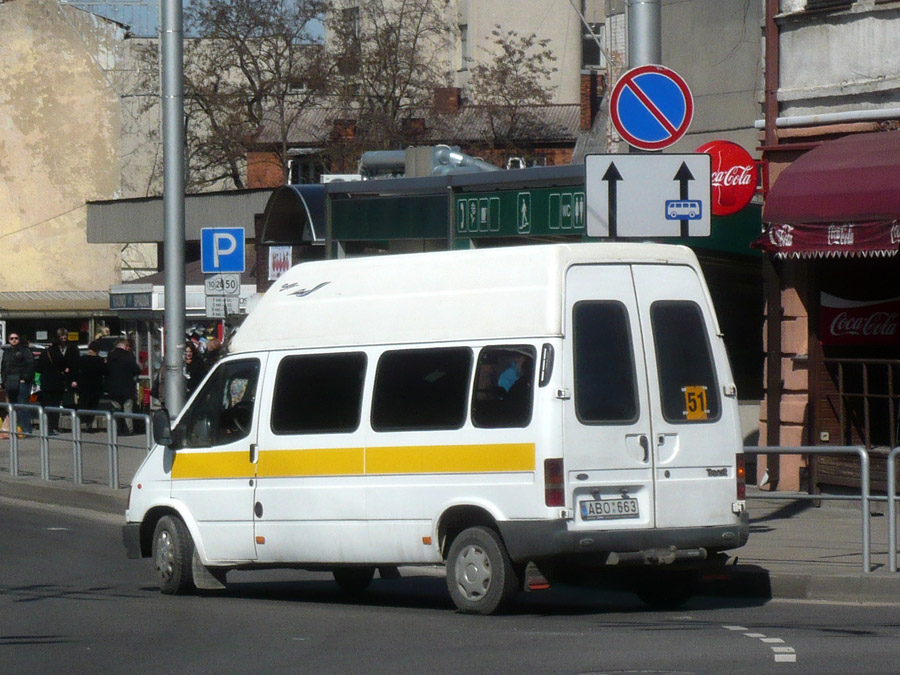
(536, 539)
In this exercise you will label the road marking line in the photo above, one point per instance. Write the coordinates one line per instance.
(780, 654)
(785, 658)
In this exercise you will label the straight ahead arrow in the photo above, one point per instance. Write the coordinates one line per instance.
(683, 176)
(613, 176)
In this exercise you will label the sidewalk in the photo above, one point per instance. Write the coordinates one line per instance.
(796, 550)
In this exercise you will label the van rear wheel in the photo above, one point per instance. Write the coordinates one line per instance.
(353, 580)
(667, 590)
(173, 551)
(480, 575)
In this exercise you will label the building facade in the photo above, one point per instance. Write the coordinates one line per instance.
(831, 150)
(71, 133)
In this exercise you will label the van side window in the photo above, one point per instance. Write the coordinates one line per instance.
(222, 411)
(421, 389)
(605, 390)
(504, 384)
(687, 378)
(318, 394)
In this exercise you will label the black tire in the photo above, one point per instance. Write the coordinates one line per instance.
(480, 576)
(667, 590)
(173, 551)
(353, 580)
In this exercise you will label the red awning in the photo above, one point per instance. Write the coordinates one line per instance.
(827, 240)
(839, 199)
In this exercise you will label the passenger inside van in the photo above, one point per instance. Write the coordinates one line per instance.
(504, 383)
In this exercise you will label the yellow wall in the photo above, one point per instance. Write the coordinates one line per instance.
(59, 146)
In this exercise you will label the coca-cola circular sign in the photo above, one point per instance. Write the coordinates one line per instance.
(733, 176)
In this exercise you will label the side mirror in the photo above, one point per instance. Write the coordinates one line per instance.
(162, 427)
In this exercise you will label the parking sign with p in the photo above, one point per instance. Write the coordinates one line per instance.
(221, 249)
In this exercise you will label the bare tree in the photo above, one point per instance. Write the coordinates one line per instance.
(391, 56)
(510, 82)
(246, 63)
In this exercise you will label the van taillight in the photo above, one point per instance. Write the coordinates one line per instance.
(741, 478)
(554, 483)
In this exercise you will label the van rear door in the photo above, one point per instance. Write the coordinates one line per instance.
(696, 434)
(607, 427)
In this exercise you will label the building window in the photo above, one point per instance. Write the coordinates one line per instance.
(591, 54)
(813, 5)
(463, 47)
(305, 169)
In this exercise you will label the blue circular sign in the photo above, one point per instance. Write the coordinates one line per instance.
(651, 107)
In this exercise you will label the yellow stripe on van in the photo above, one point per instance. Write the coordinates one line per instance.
(316, 462)
(406, 459)
(189, 465)
(412, 459)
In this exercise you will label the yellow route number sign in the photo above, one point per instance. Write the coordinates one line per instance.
(695, 403)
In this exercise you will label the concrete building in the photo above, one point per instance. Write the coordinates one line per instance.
(69, 133)
(831, 150)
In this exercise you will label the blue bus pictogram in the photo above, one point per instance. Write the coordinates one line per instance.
(683, 209)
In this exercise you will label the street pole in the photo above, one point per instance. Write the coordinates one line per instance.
(173, 198)
(644, 41)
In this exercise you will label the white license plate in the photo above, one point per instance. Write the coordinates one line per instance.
(610, 509)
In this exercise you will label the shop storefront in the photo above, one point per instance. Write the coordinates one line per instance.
(832, 235)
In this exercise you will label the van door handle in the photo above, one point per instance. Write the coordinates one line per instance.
(254, 453)
(645, 444)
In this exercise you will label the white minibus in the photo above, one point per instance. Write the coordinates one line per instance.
(564, 408)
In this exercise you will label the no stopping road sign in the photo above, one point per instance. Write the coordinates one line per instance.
(651, 107)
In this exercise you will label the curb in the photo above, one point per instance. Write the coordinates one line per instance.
(64, 493)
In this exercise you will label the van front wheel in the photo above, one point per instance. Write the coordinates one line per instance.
(173, 550)
(480, 576)
(353, 580)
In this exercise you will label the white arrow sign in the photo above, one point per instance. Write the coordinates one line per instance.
(662, 195)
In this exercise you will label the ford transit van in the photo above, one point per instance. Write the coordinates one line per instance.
(565, 408)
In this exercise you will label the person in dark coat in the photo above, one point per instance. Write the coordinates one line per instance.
(72, 357)
(91, 371)
(55, 377)
(194, 367)
(17, 375)
(122, 370)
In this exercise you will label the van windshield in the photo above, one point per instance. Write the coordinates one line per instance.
(222, 411)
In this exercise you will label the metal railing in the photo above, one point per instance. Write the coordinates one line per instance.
(111, 440)
(864, 495)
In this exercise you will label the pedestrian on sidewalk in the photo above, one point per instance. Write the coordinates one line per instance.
(54, 380)
(17, 375)
(91, 372)
(122, 370)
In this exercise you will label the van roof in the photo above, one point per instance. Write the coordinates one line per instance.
(498, 293)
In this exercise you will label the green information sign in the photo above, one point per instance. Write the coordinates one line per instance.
(538, 211)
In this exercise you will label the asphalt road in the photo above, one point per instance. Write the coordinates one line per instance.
(71, 602)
